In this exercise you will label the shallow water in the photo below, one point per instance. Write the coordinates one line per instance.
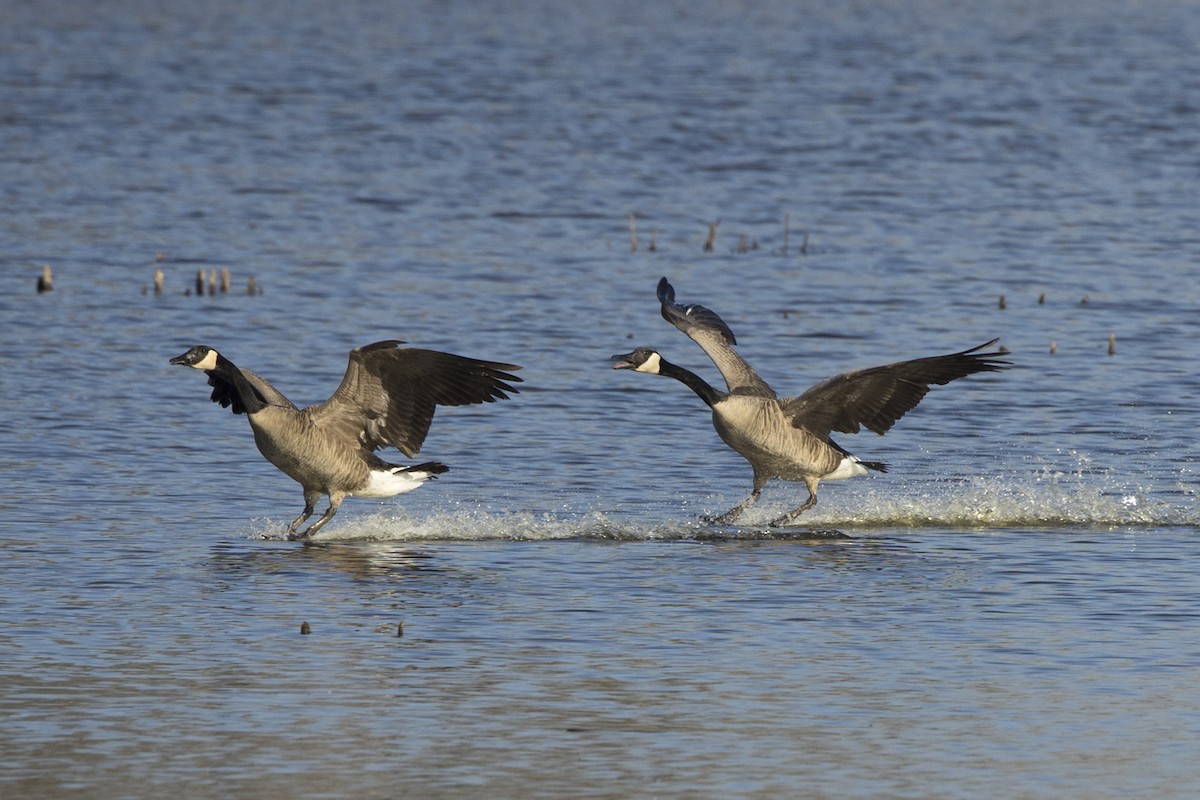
(1014, 604)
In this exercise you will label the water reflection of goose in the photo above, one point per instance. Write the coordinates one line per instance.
(789, 437)
(386, 399)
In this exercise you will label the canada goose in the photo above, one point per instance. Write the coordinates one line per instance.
(788, 437)
(387, 398)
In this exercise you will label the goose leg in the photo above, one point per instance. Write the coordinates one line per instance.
(811, 483)
(310, 502)
(736, 511)
(335, 500)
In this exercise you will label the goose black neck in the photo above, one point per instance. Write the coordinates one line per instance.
(252, 401)
(693, 381)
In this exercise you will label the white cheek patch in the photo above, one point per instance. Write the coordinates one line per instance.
(653, 364)
(209, 361)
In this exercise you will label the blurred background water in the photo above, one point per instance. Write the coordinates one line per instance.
(1014, 605)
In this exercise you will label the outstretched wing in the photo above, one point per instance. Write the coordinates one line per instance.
(389, 393)
(877, 397)
(709, 331)
(224, 393)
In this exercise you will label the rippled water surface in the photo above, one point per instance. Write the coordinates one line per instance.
(1012, 609)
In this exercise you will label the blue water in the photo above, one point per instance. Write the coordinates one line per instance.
(1012, 610)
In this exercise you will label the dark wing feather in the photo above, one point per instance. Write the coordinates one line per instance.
(877, 397)
(705, 328)
(389, 393)
(224, 393)
(692, 319)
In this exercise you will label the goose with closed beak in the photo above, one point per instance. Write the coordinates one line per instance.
(789, 437)
(386, 398)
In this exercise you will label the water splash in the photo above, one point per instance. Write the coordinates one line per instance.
(469, 525)
(1039, 496)
(1085, 496)
(1041, 501)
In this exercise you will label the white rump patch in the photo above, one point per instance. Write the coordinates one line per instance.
(849, 468)
(385, 483)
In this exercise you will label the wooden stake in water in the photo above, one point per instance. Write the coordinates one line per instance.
(711, 242)
(632, 232)
(45, 282)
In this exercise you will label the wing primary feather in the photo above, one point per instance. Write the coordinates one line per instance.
(389, 393)
(703, 326)
(876, 398)
(690, 317)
